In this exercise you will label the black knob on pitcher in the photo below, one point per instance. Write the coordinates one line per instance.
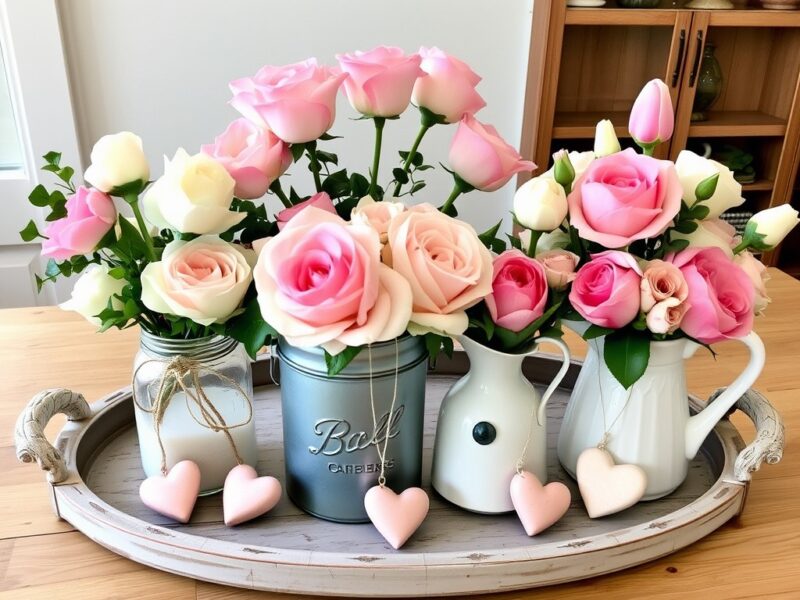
(484, 433)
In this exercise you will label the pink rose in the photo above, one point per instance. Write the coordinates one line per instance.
(519, 291)
(482, 158)
(379, 81)
(625, 197)
(320, 200)
(606, 289)
(449, 88)
(90, 215)
(711, 232)
(662, 280)
(320, 282)
(652, 118)
(253, 156)
(559, 266)
(720, 295)
(666, 316)
(297, 102)
(448, 267)
(759, 275)
(204, 280)
(377, 215)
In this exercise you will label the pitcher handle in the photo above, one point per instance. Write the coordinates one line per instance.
(701, 424)
(562, 372)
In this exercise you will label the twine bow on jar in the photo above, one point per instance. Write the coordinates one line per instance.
(176, 370)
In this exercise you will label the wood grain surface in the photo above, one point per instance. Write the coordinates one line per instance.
(756, 555)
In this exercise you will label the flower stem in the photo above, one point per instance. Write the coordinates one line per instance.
(411, 153)
(311, 148)
(275, 188)
(376, 156)
(452, 198)
(743, 245)
(133, 200)
(535, 235)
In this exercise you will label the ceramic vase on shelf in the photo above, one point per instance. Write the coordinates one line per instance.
(224, 374)
(484, 422)
(329, 439)
(652, 427)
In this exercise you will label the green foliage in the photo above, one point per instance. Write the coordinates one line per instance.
(511, 341)
(626, 353)
(435, 343)
(491, 241)
(336, 363)
(595, 331)
(706, 188)
(250, 328)
(31, 232)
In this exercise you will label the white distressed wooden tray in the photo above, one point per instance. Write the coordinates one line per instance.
(453, 553)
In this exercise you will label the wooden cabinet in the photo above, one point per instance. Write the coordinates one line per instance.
(590, 63)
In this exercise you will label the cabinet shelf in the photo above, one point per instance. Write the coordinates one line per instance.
(759, 185)
(619, 16)
(576, 125)
(738, 123)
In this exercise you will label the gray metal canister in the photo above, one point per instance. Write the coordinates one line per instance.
(329, 441)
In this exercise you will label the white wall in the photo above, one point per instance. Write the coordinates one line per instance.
(160, 68)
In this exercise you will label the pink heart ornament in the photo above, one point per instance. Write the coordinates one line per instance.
(396, 517)
(607, 488)
(538, 506)
(247, 496)
(174, 494)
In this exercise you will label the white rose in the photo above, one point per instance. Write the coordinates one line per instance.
(555, 240)
(116, 160)
(605, 139)
(580, 162)
(92, 291)
(540, 204)
(204, 279)
(376, 215)
(692, 169)
(193, 195)
(774, 223)
(711, 232)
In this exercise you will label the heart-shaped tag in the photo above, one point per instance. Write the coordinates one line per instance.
(607, 488)
(396, 517)
(175, 494)
(247, 496)
(538, 506)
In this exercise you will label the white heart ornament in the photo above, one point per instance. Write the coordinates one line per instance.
(607, 488)
(247, 496)
(396, 517)
(174, 494)
(538, 506)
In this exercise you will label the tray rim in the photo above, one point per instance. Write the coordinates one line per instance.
(189, 554)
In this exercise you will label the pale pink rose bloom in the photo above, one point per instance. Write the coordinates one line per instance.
(448, 267)
(625, 197)
(652, 118)
(377, 215)
(662, 280)
(252, 155)
(379, 81)
(720, 295)
(320, 200)
(606, 289)
(297, 102)
(482, 158)
(519, 291)
(90, 215)
(320, 282)
(559, 266)
(449, 88)
(665, 317)
(759, 275)
(204, 280)
(711, 233)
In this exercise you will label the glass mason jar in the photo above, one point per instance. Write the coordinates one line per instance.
(187, 429)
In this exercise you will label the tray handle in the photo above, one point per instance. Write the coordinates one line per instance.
(770, 434)
(29, 435)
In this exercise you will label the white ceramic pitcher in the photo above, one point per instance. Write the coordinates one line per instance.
(654, 430)
(483, 423)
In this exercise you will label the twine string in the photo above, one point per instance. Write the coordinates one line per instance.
(175, 371)
(389, 416)
(604, 440)
(534, 417)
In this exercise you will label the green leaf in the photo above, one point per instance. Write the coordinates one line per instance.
(510, 340)
(699, 212)
(297, 151)
(326, 137)
(58, 212)
(31, 232)
(489, 238)
(327, 157)
(417, 160)
(338, 362)
(595, 331)
(337, 184)
(66, 174)
(677, 245)
(418, 185)
(626, 353)
(250, 329)
(686, 227)
(129, 191)
(423, 168)
(52, 158)
(39, 196)
(429, 118)
(130, 242)
(359, 185)
(515, 242)
(400, 175)
(433, 343)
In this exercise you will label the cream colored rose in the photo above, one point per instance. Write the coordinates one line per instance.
(692, 169)
(580, 161)
(559, 266)
(605, 139)
(774, 223)
(204, 279)
(666, 316)
(193, 195)
(540, 204)
(376, 214)
(759, 275)
(711, 233)
(661, 280)
(116, 160)
(92, 291)
(448, 267)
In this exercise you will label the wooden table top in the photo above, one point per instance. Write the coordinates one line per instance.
(756, 555)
